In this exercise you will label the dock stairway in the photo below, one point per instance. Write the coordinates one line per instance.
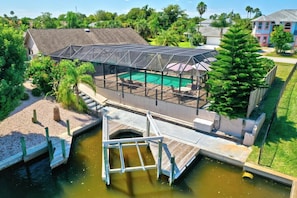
(93, 106)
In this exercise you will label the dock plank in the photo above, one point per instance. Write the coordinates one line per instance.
(184, 155)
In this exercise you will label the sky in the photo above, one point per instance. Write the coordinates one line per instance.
(34, 8)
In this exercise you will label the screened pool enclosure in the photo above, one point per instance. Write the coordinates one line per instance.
(172, 74)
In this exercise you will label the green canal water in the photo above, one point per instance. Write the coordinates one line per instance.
(81, 177)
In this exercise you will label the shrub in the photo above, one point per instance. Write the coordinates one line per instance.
(25, 96)
(36, 92)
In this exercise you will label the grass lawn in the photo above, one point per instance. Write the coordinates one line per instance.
(180, 44)
(280, 146)
(274, 54)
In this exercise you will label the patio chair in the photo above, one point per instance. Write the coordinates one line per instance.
(174, 91)
(124, 82)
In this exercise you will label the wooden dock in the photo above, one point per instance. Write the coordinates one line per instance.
(184, 155)
(174, 153)
(60, 155)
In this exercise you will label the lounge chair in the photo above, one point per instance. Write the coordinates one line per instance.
(124, 82)
(174, 91)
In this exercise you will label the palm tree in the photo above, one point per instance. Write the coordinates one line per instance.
(257, 12)
(167, 38)
(249, 10)
(75, 73)
(221, 22)
(201, 8)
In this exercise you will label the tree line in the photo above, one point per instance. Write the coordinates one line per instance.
(167, 27)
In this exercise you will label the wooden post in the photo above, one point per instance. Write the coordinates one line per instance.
(68, 127)
(34, 119)
(159, 165)
(46, 133)
(23, 144)
(106, 164)
(50, 150)
(63, 148)
(172, 165)
(57, 116)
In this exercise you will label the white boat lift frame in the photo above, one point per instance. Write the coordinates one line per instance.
(129, 142)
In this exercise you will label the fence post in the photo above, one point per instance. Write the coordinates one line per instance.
(156, 98)
(23, 144)
(68, 127)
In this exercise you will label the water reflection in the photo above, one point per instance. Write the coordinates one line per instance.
(81, 177)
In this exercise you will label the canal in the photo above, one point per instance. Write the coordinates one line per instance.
(81, 177)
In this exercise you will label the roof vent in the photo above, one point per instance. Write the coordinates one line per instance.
(87, 30)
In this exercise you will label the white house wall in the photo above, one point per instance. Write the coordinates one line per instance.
(213, 40)
(30, 45)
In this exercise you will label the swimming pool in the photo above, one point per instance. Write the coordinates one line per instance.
(156, 79)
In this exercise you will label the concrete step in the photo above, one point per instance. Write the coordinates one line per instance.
(96, 108)
(92, 104)
(88, 100)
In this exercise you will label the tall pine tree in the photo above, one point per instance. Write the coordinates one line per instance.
(235, 74)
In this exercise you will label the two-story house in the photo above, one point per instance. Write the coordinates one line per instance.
(263, 25)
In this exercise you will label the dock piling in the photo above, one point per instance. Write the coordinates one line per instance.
(23, 144)
(50, 150)
(46, 133)
(63, 148)
(172, 166)
(68, 127)
(159, 165)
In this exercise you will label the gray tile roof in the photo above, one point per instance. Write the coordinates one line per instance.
(51, 40)
(211, 31)
(287, 15)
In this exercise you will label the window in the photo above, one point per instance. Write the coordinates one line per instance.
(287, 26)
(264, 39)
(266, 25)
(260, 25)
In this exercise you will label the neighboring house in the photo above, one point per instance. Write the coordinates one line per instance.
(47, 41)
(212, 34)
(263, 25)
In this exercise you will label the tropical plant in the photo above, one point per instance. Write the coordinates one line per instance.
(201, 8)
(280, 39)
(12, 68)
(75, 73)
(43, 71)
(221, 22)
(167, 38)
(235, 74)
(257, 12)
(249, 10)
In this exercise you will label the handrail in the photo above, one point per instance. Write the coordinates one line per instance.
(153, 124)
